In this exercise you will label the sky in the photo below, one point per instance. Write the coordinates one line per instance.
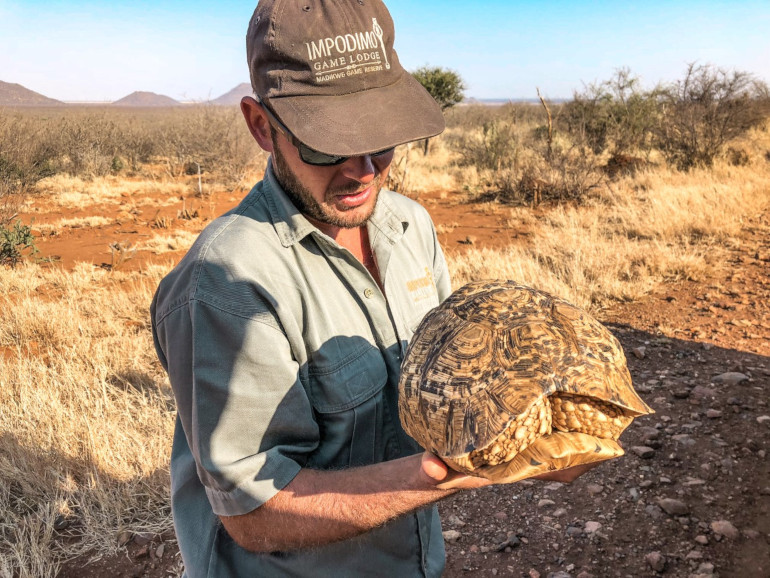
(89, 50)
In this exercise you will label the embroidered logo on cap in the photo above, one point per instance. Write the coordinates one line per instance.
(336, 57)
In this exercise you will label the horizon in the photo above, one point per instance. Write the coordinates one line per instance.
(89, 52)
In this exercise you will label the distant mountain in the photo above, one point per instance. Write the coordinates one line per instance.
(143, 99)
(16, 95)
(234, 96)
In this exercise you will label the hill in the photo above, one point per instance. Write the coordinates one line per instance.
(234, 96)
(141, 99)
(12, 94)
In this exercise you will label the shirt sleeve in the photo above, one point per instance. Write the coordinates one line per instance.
(246, 416)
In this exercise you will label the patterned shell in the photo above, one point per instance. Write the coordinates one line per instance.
(495, 349)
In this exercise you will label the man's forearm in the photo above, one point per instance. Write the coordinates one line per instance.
(321, 507)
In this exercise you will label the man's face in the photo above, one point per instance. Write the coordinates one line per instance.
(339, 196)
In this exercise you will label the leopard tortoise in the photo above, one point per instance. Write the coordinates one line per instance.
(504, 381)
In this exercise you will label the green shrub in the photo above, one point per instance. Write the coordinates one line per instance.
(15, 242)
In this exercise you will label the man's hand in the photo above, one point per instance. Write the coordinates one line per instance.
(443, 477)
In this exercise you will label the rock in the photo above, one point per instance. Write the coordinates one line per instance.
(553, 486)
(143, 538)
(160, 550)
(533, 573)
(574, 531)
(644, 452)
(124, 538)
(585, 574)
(702, 540)
(763, 419)
(730, 378)
(451, 536)
(700, 392)
(725, 528)
(546, 503)
(751, 534)
(656, 561)
(592, 527)
(673, 507)
(559, 513)
(706, 568)
(455, 521)
(639, 352)
(713, 414)
(595, 489)
(694, 555)
(559, 574)
(653, 511)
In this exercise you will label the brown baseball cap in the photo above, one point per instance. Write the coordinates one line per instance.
(328, 70)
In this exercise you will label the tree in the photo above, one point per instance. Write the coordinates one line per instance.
(706, 109)
(444, 85)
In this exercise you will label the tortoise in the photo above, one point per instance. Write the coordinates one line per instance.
(505, 381)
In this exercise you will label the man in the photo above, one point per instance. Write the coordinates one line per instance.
(283, 328)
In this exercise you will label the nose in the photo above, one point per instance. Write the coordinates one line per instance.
(360, 169)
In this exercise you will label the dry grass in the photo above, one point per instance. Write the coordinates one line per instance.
(86, 415)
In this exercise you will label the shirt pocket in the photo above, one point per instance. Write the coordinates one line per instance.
(346, 391)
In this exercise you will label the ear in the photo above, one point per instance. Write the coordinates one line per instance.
(257, 121)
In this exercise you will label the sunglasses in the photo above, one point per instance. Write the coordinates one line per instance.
(311, 156)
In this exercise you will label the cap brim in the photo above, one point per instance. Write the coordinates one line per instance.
(362, 122)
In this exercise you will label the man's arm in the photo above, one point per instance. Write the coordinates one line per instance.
(321, 507)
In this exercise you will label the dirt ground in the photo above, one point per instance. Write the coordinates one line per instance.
(692, 496)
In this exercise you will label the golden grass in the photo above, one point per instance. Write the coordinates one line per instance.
(86, 414)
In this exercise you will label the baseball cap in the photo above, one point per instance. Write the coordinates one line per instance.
(328, 70)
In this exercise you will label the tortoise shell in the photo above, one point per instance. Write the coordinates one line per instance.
(506, 381)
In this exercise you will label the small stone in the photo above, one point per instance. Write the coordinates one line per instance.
(546, 503)
(713, 414)
(639, 352)
(763, 419)
(595, 489)
(500, 516)
(451, 536)
(725, 528)
(160, 550)
(559, 574)
(730, 378)
(673, 507)
(455, 520)
(534, 573)
(142, 552)
(656, 561)
(694, 555)
(585, 574)
(143, 538)
(644, 452)
(494, 571)
(706, 568)
(124, 537)
(700, 392)
(559, 513)
(751, 534)
(574, 531)
(702, 540)
(592, 527)
(474, 549)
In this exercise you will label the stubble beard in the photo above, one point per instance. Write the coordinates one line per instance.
(322, 212)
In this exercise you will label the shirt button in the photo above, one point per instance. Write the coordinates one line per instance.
(368, 293)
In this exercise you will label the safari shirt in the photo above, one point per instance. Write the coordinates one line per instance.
(283, 353)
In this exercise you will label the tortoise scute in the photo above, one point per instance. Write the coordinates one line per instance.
(505, 381)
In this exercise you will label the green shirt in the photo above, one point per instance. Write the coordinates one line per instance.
(283, 353)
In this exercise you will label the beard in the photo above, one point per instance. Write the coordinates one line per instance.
(323, 212)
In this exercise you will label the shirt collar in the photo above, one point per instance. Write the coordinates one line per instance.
(291, 226)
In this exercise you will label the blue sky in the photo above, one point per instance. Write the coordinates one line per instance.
(88, 50)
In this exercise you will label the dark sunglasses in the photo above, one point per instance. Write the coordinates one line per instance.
(310, 156)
